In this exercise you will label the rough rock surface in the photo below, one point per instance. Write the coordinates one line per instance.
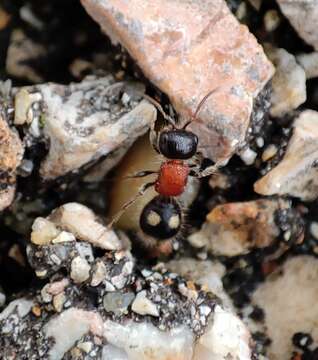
(289, 82)
(296, 174)
(188, 49)
(89, 310)
(11, 152)
(303, 15)
(234, 228)
(84, 121)
(288, 298)
(310, 64)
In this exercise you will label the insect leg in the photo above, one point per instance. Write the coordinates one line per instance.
(140, 192)
(140, 174)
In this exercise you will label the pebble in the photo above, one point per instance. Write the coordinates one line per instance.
(196, 35)
(26, 167)
(143, 306)
(98, 274)
(80, 269)
(118, 302)
(86, 346)
(4, 19)
(11, 150)
(85, 225)
(271, 20)
(314, 229)
(21, 52)
(64, 236)
(310, 64)
(289, 82)
(296, 174)
(235, 228)
(2, 299)
(248, 156)
(23, 102)
(58, 301)
(269, 152)
(303, 17)
(43, 231)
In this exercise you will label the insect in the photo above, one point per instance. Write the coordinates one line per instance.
(162, 217)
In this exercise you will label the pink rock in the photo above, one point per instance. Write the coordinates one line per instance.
(303, 15)
(11, 152)
(187, 49)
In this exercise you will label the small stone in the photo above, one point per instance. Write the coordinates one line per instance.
(143, 306)
(226, 337)
(21, 306)
(11, 153)
(2, 299)
(41, 273)
(58, 301)
(303, 16)
(85, 225)
(43, 231)
(4, 19)
(86, 346)
(289, 82)
(79, 269)
(23, 104)
(64, 236)
(269, 152)
(188, 293)
(109, 287)
(36, 310)
(198, 39)
(235, 228)
(98, 274)
(26, 167)
(310, 64)
(248, 156)
(260, 142)
(118, 302)
(271, 20)
(220, 181)
(56, 260)
(68, 327)
(314, 229)
(22, 50)
(296, 174)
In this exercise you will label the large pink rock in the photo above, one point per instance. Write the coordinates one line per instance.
(188, 48)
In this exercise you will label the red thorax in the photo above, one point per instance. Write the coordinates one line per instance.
(172, 178)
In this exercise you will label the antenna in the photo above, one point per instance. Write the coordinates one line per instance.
(199, 107)
(160, 109)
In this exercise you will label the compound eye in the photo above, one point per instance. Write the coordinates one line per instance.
(161, 218)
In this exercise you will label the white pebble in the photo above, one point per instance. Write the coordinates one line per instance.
(248, 156)
(79, 269)
(143, 306)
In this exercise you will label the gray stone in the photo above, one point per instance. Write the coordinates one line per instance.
(118, 302)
